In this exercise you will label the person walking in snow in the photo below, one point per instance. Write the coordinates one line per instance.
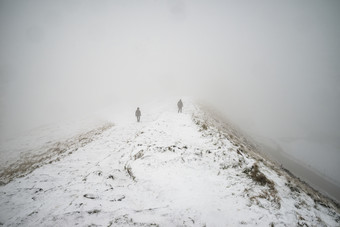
(180, 106)
(138, 114)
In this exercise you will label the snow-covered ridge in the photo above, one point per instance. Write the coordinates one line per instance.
(29, 161)
(250, 147)
(170, 170)
(36, 140)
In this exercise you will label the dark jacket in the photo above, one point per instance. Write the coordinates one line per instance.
(138, 113)
(180, 104)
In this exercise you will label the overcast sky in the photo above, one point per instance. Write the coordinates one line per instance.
(272, 67)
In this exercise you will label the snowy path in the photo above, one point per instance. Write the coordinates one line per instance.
(162, 172)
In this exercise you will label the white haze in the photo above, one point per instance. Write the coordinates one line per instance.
(272, 67)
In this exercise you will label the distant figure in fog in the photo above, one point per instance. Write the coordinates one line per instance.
(138, 114)
(180, 106)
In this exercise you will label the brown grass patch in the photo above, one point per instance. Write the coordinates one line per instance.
(29, 162)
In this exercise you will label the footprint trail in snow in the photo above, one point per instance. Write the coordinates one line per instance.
(169, 170)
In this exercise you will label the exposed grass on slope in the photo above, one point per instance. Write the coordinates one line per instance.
(247, 148)
(29, 162)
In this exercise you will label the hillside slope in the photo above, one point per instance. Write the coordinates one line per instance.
(169, 170)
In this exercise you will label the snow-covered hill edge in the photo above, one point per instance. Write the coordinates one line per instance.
(28, 161)
(247, 145)
(189, 169)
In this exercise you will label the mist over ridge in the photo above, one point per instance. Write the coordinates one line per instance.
(271, 67)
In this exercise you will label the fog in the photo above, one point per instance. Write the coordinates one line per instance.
(271, 67)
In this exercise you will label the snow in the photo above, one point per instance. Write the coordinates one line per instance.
(30, 140)
(165, 171)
